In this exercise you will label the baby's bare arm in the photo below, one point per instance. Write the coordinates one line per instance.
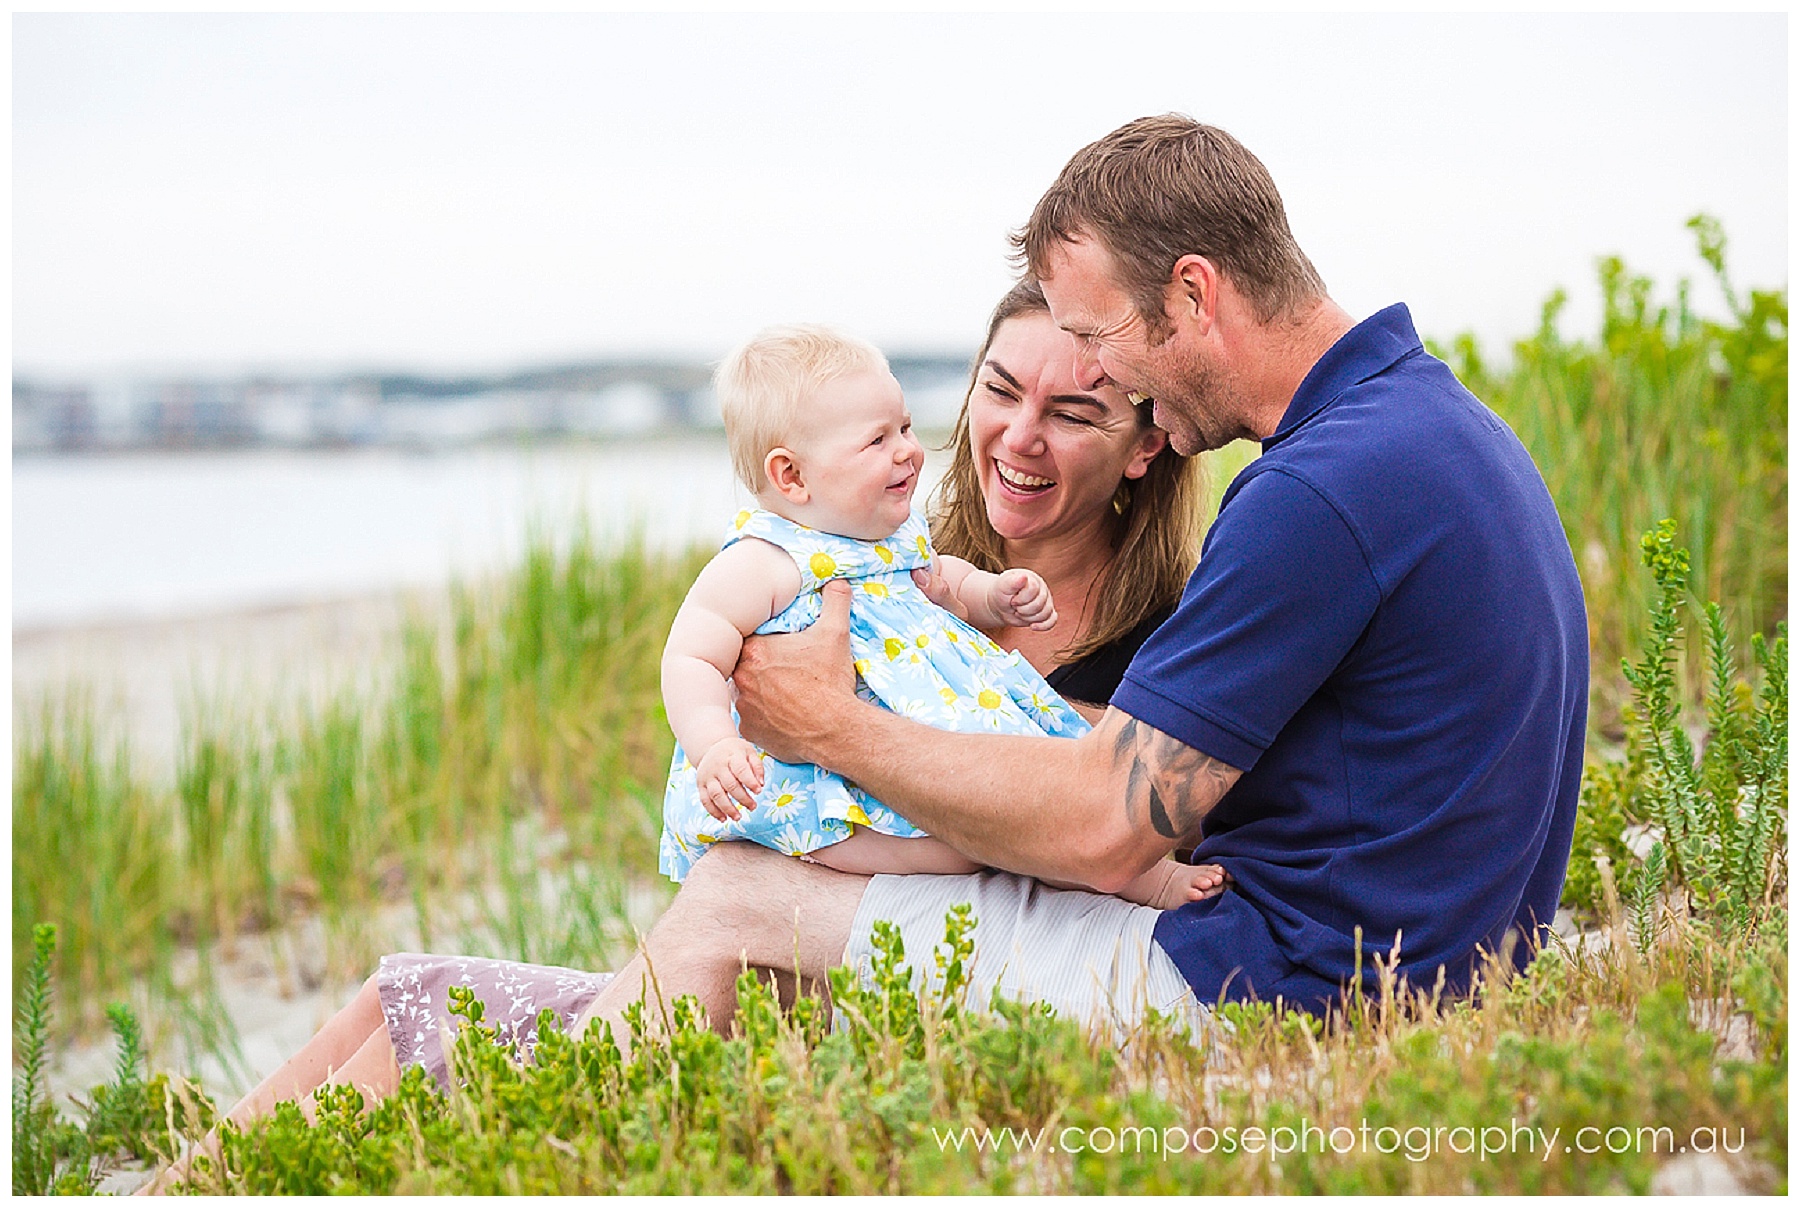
(989, 601)
(944, 581)
(745, 585)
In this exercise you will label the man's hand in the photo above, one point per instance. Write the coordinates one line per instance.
(1022, 598)
(729, 775)
(789, 685)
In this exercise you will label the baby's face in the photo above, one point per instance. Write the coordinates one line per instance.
(857, 457)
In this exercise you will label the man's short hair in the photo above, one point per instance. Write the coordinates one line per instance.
(763, 385)
(1160, 188)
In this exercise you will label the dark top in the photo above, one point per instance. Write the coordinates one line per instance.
(1386, 634)
(1093, 678)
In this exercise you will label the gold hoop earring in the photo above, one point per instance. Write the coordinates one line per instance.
(1121, 499)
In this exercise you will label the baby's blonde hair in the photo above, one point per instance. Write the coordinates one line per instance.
(763, 385)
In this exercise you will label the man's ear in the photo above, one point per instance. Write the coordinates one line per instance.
(1150, 442)
(1193, 290)
(782, 470)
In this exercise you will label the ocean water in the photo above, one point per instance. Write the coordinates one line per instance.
(158, 535)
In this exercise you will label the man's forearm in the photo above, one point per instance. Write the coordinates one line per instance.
(1012, 802)
(1097, 810)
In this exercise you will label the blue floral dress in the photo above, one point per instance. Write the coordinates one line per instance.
(911, 657)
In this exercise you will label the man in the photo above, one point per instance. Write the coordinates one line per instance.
(1369, 707)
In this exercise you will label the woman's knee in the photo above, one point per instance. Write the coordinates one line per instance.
(364, 1012)
(368, 998)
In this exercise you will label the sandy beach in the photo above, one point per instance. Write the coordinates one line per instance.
(143, 674)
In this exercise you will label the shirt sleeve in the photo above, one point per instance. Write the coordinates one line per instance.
(1282, 594)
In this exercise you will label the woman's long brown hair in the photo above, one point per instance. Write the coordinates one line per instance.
(1155, 541)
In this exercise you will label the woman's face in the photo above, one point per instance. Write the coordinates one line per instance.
(1049, 456)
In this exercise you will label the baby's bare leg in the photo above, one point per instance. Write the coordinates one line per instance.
(869, 852)
(1168, 885)
(1171, 884)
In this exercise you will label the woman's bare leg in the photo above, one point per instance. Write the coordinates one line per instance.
(332, 1049)
(372, 1070)
(670, 965)
(351, 1047)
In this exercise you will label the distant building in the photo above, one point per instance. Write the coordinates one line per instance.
(53, 418)
(627, 409)
(602, 400)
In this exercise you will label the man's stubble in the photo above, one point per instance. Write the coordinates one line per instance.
(1199, 404)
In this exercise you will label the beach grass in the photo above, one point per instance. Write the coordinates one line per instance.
(536, 705)
(92, 852)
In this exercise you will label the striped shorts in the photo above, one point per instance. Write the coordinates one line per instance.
(1089, 956)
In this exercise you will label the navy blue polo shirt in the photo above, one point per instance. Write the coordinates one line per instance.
(1386, 635)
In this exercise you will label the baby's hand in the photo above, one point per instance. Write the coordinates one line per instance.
(1021, 597)
(729, 774)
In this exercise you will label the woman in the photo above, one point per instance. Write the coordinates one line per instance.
(1077, 485)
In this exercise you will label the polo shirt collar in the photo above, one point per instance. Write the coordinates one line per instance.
(1359, 354)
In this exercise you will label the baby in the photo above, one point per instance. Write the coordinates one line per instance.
(819, 433)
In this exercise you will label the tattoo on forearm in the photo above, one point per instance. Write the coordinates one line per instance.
(1167, 781)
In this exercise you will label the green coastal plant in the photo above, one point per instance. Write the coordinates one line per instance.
(1720, 814)
(130, 1119)
(915, 1091)
(34, 1123)
(1711, 802)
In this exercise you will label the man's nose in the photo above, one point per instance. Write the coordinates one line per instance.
(1088, 374)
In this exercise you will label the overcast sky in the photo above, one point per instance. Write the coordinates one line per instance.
(480, 192)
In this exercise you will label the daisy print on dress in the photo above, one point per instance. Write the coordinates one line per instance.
(796, 840)
(911, 657)
(991, 707)
(787, 800)
(928, 711)
(1046, 709)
